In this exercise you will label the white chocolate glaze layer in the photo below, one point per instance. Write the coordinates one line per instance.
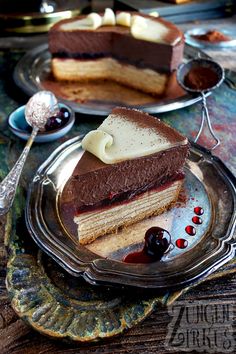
(119, 138)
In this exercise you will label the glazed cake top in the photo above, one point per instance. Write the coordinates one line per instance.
(128, 134)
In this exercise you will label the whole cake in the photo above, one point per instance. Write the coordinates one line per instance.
(132, 168)
(133, 49)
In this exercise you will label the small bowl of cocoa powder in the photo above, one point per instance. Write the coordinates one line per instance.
(211, 38)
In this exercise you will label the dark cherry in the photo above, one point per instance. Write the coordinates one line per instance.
(58, 120)
(190, 230)
(197, 220)
(198, 210)
(157, 242)
(181, 243)
(53, 123)
(64, 114)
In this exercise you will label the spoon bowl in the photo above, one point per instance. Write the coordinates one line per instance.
(38, 109)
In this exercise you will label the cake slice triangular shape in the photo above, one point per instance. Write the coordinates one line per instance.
(132, 168)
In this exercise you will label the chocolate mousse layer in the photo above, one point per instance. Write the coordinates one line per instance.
(93, 183)
(117, 42)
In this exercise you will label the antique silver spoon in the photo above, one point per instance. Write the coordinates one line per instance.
(208, 76)
(39, 108)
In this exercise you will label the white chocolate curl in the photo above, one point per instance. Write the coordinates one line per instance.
(96, 20)
(109, 18)
(91, 22)
(97, 142)
(147, 29)
(118, 139)
(123, 19)
(154, 14)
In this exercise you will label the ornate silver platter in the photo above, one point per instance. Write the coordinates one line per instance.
(33, 72)
(208, 184)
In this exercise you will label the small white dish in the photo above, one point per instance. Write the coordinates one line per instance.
(21, 128)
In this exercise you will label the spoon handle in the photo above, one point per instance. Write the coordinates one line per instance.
(9, 185)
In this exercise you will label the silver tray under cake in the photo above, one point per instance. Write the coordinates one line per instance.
(208, 184)
(33, 73)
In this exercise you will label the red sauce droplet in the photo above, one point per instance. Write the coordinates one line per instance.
(197, 220)
(181, 243)
(157, 241)
(190, 230)
(198, 210)
(138, 257)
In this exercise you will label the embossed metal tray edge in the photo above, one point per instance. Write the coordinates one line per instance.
(98, 270)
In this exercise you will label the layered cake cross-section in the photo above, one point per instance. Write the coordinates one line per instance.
(131, 169)
(132, 49)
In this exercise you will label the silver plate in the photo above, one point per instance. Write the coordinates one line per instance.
(208, 184)
(31, 71)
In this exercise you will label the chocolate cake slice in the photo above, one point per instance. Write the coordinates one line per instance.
(136, 50)
(132, 169)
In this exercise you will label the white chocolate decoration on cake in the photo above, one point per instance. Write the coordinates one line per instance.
(148, 30)
(91, 22)
(140, 27)
(154, 14)
(123, 19)
(109, 18)
(131, 141)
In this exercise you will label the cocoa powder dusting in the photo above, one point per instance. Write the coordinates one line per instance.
(212, 36)
(200, 78)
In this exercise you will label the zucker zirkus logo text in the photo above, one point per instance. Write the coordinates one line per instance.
(204, 326)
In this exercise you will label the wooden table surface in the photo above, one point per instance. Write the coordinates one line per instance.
(148, 337)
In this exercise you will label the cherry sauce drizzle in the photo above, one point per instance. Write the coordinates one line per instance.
(157, 242)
